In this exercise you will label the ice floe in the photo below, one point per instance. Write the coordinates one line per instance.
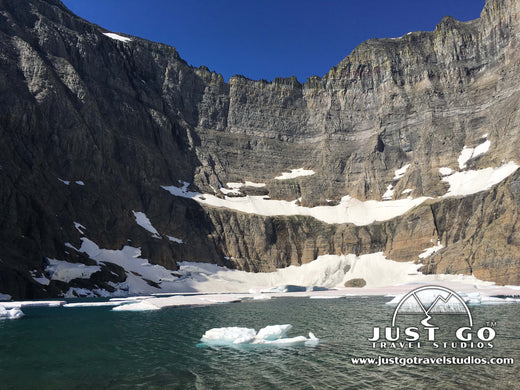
(10, 313)
(22, 304)
(138, 306)
(294, 173)
(270, 335)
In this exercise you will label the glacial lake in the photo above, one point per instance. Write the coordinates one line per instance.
(96, 348)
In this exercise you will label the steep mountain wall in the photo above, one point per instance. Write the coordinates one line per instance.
(117, 120)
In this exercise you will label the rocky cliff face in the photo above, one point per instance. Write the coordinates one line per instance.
(92, 127)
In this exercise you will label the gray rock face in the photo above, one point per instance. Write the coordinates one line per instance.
(126, 118)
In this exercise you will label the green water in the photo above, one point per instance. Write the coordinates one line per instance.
(95, 348)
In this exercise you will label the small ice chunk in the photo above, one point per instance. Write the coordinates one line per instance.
(270, 335)
(273, 332)
(227, 336)
(10, 313)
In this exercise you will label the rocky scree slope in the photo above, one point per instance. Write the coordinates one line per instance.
(92, 127)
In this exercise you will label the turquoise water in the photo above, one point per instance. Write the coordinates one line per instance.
(95, 348)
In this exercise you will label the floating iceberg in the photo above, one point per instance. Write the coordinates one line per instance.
(270, 335)
(10, 313)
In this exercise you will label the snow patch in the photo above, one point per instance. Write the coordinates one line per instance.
(327, 271)
(79, 227)
(64, 271)
(234, 188)
(471, 182)
(4, 297)
(445, 171)
(141, 276)
(295, 173)
(469, 153)
(389, 192)
(117, 37)
(43, 280)
(430, 251)
(143, 221)
(175, 239)
(67, 182)
(399, 173)
(349, 210)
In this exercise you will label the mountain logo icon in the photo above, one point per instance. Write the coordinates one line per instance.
(429, 300)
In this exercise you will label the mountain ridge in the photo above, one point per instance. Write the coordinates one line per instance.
(126, 118)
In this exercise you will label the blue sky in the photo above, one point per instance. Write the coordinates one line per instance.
(264, 39)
